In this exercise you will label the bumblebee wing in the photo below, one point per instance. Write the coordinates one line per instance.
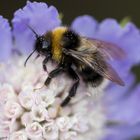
(108, 72)
(92, 57)
(109, 50)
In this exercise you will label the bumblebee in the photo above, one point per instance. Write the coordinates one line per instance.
(78, 56)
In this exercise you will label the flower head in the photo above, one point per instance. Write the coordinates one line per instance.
(36, 114)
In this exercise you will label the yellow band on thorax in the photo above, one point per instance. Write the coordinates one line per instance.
(57, 34)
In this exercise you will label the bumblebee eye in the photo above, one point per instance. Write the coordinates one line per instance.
(41, 39)
(42, 44)
(45, 44)
(39, 43)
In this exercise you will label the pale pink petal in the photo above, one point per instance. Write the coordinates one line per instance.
(19, 135)
(38, 113)
(26, 98)
(63, 123)
(68, 135)
(26, 119)
(50, 131)
(13, 109)
(34, 130)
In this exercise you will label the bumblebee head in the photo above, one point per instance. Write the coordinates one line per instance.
(42, 45)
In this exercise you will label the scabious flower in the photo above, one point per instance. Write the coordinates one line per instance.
(27, 113)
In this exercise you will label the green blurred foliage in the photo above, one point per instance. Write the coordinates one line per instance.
(136, 70)
(124, 21)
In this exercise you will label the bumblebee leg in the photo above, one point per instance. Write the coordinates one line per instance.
(73, 89)
(53, 74)
(45, 62)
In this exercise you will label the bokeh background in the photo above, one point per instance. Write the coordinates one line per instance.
(100, 9)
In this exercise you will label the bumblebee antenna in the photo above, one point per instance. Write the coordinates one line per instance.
(28, 58)
(33, 31)
(36, 35)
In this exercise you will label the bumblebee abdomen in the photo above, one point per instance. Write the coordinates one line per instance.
(91, 77)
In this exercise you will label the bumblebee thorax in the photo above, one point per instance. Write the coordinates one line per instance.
(57, 35)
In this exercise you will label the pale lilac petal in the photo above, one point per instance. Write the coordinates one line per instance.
(123, 132)
(127, 38)
(131, 43)
(109, 30)
(5, 39)
(115, 92)
(127, 109)
(85, 25)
